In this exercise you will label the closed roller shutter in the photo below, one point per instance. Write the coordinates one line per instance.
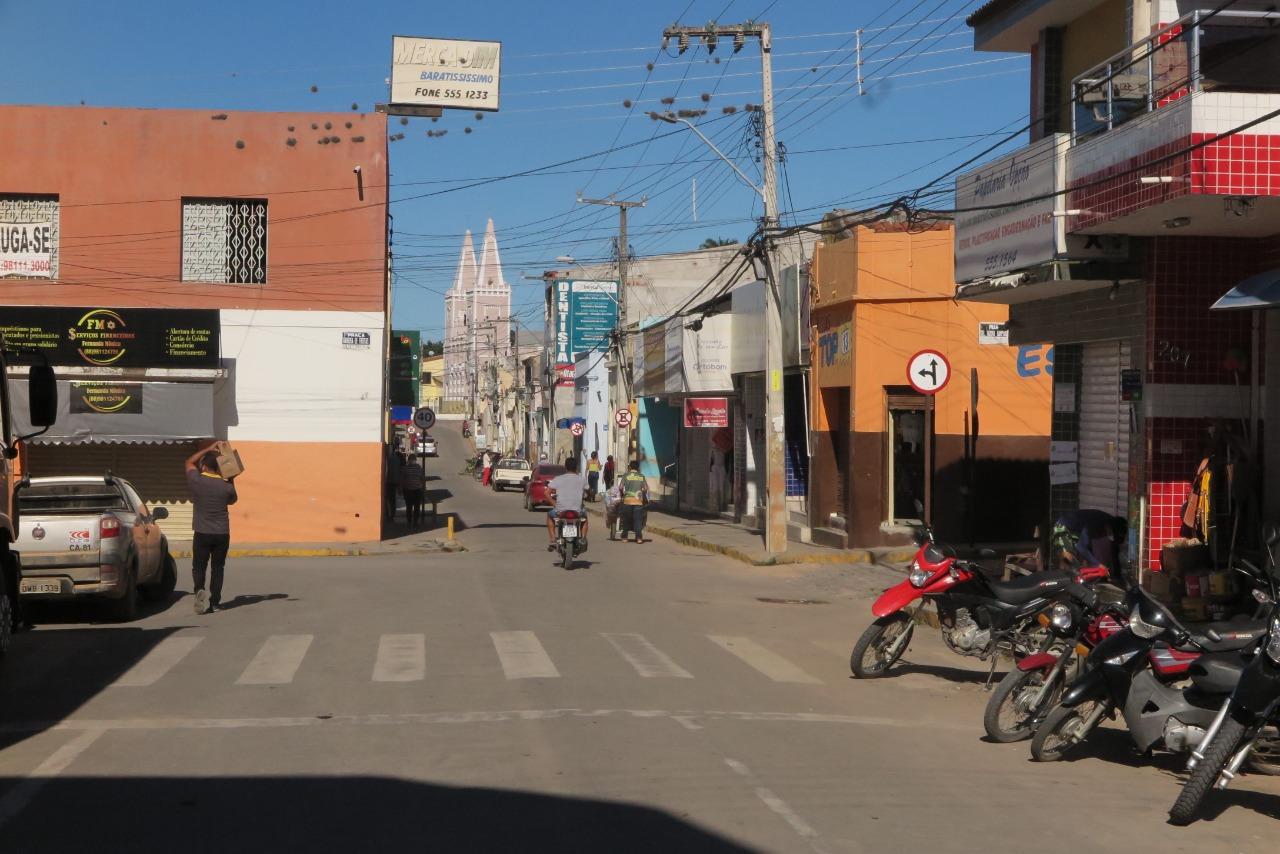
(1104, 429)
(156, 471)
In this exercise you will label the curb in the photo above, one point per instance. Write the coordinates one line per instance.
(335, 551)
(855, 557)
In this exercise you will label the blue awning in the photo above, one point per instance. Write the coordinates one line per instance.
(1260, 291)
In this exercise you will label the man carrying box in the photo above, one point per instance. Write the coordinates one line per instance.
(212, 494)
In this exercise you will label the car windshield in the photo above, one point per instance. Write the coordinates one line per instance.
(513, 464)
(551, 471)
(70, 498)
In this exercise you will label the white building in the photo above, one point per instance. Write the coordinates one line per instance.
(477, 325)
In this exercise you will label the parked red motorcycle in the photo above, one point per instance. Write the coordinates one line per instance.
(1033, 687)
(979, 616)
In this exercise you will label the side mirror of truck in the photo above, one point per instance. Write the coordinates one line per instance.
(42, 396)
(158, 513)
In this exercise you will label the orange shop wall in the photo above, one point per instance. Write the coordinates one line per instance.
(308, 492)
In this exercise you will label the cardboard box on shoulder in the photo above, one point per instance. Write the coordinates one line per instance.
(229, 464)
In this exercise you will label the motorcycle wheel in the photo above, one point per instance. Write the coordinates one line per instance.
(1053, 739)
(1206, 772)
(566, 554)
(1265, 756)
(1008, 717)
(876, 640)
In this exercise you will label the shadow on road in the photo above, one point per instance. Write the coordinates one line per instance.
(56, 612)
(50, 673)
(542, 525)
(251, 599)
(950, 674)
(315, 814)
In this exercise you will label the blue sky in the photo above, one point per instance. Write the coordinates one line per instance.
(568, 67)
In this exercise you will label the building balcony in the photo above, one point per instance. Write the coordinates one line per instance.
(1144, 155)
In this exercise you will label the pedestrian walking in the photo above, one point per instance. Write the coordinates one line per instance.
(610, 472)
(487, 467)
(391, 488)
(635, 501)
(593, 475)
(413, 480)
(211, 494)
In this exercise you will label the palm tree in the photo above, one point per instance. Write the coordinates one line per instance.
(713, 242)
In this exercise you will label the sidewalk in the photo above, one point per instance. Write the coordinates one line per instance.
(732, 540)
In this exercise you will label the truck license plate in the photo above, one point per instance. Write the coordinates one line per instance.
(40, 585)
(570, 532)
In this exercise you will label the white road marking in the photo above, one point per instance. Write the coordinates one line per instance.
(522, 656)
(401, 658)
(159, 661)
(780, 808)
(25, 790)
(475, 717)
(766, 661)
(277, 660)
(647, 659)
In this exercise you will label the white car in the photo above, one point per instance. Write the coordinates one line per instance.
(511, 473)
(427, 447)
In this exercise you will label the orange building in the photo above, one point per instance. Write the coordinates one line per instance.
(892, 454)
(237, 263)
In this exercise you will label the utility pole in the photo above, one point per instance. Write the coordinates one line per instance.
(616, 400)
(775, 528)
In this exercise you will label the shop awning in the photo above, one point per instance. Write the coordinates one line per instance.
(1260, 291)
(131, 412)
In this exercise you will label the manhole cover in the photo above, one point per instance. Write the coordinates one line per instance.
(770, 601)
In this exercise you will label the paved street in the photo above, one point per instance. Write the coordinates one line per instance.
(489, 700)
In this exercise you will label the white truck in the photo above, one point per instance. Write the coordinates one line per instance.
(93, 536)
(42, 398)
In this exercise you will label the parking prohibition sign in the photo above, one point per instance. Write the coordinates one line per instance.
(623, 417)
(576, 428)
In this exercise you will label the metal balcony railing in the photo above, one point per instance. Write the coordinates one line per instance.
(1231, 51)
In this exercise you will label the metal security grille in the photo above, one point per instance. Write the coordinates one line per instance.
(1104, 429)
(225, 241)
(34, 209)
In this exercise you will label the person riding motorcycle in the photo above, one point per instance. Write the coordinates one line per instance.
(566, 492)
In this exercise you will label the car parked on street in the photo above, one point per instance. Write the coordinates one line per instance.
(94, 537)
(427, 447)
(510, 473)
(535, 491)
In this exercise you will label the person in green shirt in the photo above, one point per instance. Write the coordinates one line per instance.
(635, 501)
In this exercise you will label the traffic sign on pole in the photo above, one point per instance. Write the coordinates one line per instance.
(424, 418)
(623, 418)
(928, 371)
(576, 428)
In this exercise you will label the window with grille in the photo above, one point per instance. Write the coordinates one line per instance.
(28, 237)
(224, 241)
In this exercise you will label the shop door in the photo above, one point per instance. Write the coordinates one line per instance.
(156, 471)
(1103, 454)
(910, 445)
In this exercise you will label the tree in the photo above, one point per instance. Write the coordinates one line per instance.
(713, 242)
(432, 348)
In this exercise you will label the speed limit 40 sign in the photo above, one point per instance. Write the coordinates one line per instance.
(424, 418)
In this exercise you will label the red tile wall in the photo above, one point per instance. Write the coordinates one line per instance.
(1244, 164)
(1189, 344)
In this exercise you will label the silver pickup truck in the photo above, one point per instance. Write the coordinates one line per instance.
(92, 536)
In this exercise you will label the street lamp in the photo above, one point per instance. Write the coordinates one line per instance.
(674, 119)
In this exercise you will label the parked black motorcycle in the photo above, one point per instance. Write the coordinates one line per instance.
(1134, 672)
(1246, 716)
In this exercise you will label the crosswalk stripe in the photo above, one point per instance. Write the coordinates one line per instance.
(277, 660)
(401, 658)
(766, 661)
(522, 656)
(647, 659)
(159, 661)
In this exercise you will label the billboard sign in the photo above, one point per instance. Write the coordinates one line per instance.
(706, 412)
(449, 73)
(116, 337)
(1009, 232)
(585, 313)
(26, 249)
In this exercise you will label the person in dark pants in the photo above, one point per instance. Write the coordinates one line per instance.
(609, 472)
(413, 480)
(635, 502)
(211, 494)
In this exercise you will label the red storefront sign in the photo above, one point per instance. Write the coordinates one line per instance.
(706, 412)
(566, 375)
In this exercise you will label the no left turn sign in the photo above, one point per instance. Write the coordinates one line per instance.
(928, 371)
